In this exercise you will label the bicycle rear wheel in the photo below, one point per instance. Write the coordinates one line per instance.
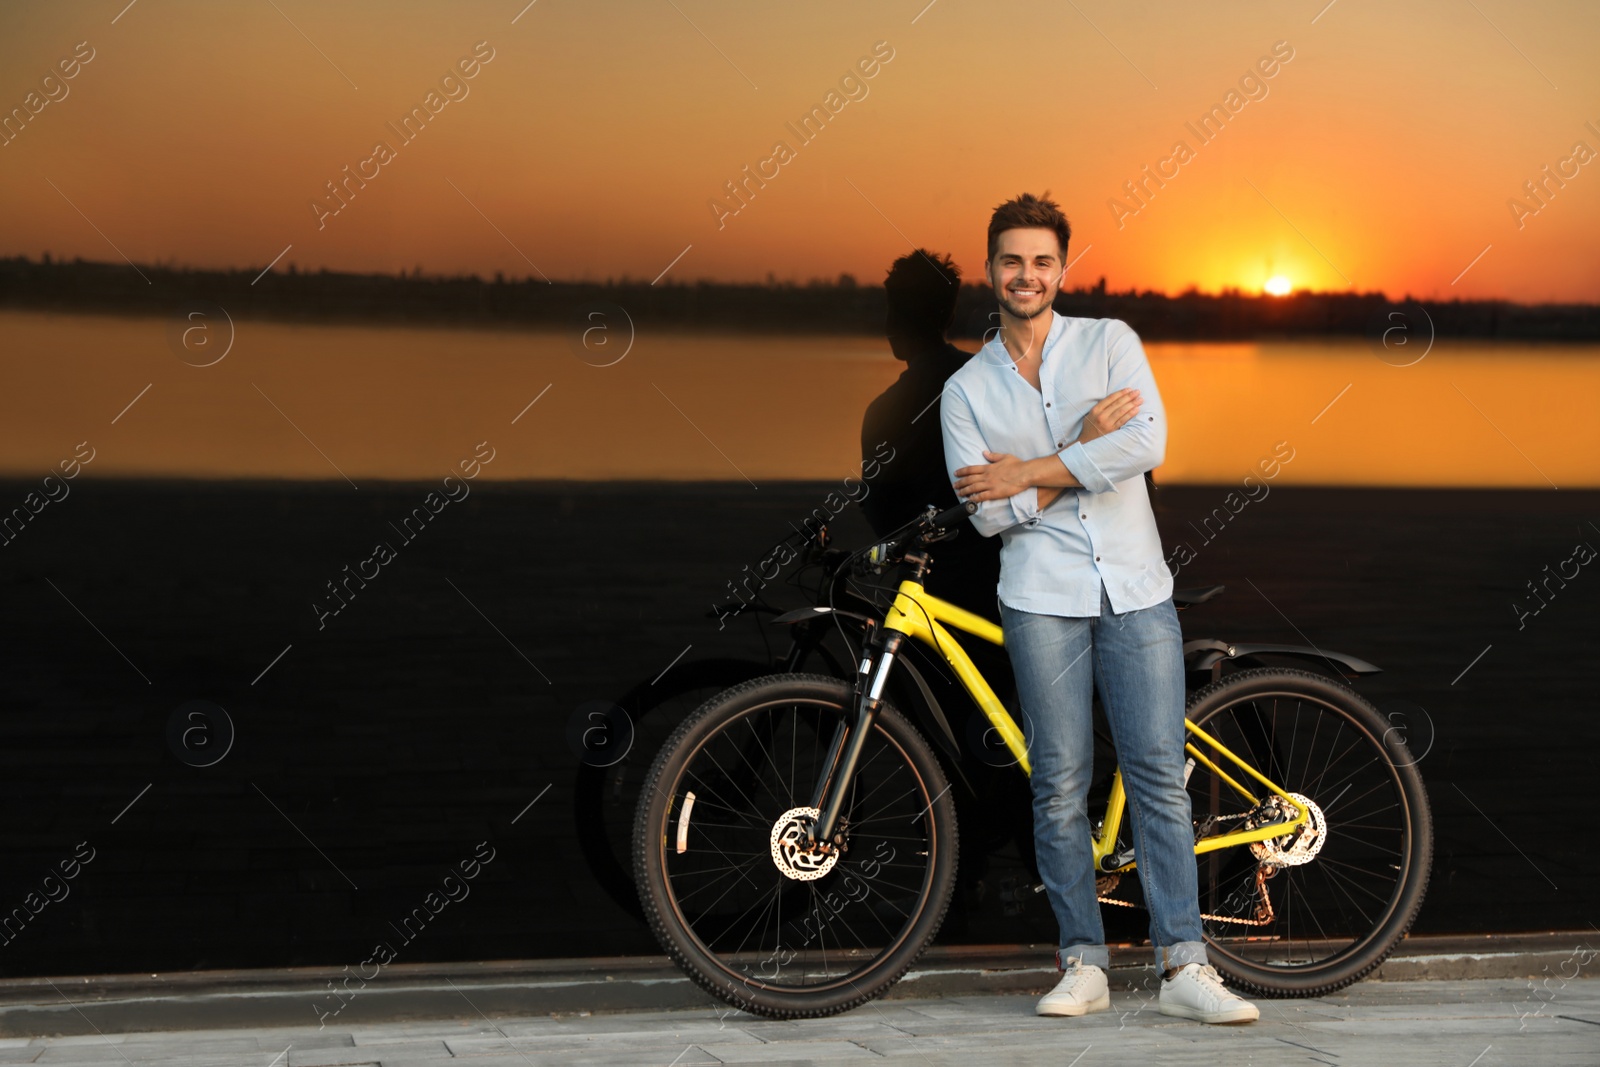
(1316, 910)
(731, 894)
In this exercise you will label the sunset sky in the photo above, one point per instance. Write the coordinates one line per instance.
(1380, 156)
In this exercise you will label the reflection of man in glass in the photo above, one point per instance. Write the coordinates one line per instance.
(922, 288)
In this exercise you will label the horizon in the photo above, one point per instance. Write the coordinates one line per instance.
(418, 273)
(1311, 146)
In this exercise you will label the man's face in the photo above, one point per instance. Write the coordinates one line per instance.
(1026, 270)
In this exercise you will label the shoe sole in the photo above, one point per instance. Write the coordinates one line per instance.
(1102, 1004)
(1222, 1018)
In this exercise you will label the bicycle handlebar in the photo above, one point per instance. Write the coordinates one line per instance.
(953, 515)
(885, 551)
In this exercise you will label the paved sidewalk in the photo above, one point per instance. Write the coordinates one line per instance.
(1480, 1023)
(267, 999)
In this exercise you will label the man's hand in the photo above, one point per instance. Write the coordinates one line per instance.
(1002, 477)
(1110, 414)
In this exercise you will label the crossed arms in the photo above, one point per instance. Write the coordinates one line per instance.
(1005, 475)
(1122, 435)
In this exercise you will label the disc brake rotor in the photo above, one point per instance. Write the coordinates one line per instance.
(1294, 848)
(793, 858)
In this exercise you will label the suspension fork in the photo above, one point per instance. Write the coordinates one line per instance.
(851, 735)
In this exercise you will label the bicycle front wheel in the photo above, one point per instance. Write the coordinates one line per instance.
(1317, 909)
(729, 888)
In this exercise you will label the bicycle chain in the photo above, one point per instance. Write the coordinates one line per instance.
(1264, 913)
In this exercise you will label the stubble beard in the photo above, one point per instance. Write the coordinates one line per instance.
(1016, 312)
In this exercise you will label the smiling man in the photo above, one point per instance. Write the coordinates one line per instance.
(1050, 428)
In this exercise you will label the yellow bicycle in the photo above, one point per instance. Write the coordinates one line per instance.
(795, 842)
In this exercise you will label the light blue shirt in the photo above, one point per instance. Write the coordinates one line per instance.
(1054, 562)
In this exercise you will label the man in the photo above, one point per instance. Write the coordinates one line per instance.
(1085, 600)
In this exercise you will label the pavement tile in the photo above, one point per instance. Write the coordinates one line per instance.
(424, 1045)
(442, 1030)
(657, 1026)
(855, 1026)
(82, 1053)
(817, 1048)
(329, 1057)
(666, 1056)
(664, 1032)
(134, 1045)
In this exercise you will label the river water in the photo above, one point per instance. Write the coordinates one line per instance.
(383, 402)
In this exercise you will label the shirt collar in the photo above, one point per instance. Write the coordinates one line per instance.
(1002, 358)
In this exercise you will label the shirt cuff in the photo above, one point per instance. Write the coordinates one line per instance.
(1025, 506)
(1076, 458)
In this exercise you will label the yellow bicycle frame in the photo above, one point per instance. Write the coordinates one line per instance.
(921, 615)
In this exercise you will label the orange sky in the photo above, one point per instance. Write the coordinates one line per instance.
(1382, 155)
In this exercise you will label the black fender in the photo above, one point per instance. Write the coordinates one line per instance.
(928, 713)
(1207, 653)
(789, 618)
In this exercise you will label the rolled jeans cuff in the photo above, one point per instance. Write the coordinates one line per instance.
(1093, 955)
(1181, 955)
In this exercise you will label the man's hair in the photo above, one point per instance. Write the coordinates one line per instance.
(1028, 211)
(922, 287)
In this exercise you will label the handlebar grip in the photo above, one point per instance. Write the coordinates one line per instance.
(955, 514)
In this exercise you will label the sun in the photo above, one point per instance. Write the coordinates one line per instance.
(1278, 285)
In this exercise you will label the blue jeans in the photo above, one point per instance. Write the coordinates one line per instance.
(1136, 660)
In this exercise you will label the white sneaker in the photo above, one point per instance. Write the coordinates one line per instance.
(1196, 992)
(1082, 989)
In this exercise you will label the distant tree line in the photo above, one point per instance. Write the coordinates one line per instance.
(835, 306)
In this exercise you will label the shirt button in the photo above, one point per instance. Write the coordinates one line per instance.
(1083, 516)
(1061, 444)
(1097, 559)
(1047, 403)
